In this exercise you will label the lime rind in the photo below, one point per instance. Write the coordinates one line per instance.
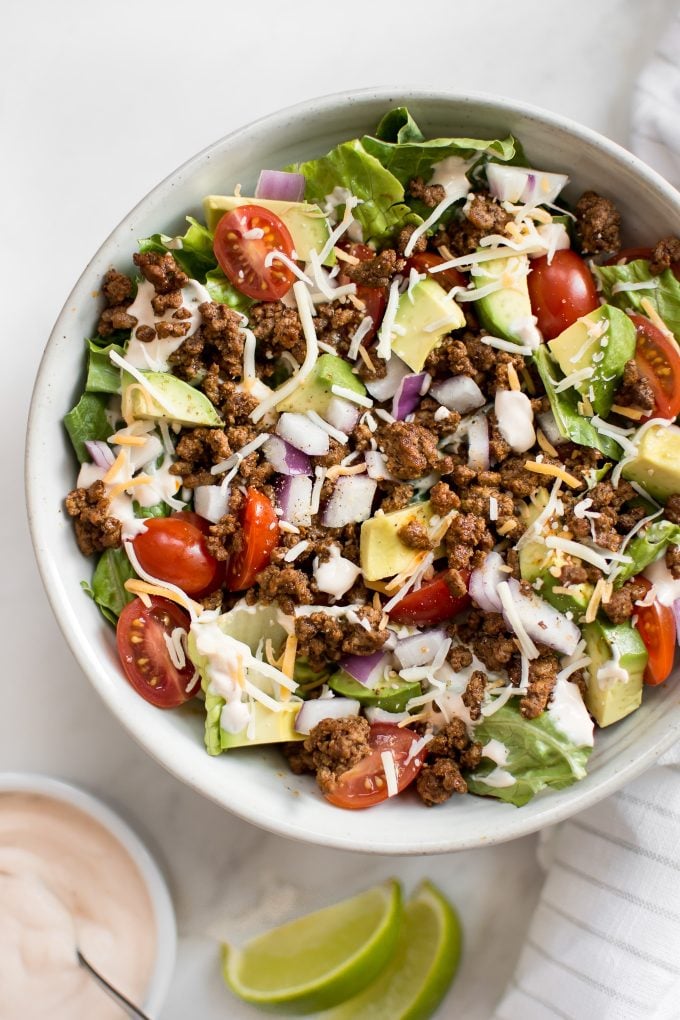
(352, 975)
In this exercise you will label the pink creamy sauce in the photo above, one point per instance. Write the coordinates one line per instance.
(65, 880)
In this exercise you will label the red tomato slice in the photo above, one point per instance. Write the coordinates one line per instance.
(423, 263)
(656, 626)
(173, 549)
(242, 257)
(432, 603)
(631, 254)
(658, 359)
(140, 636)
(365, 784)
(560, 292)
(260, 533)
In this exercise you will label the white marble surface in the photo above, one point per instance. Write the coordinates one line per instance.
(98, 104)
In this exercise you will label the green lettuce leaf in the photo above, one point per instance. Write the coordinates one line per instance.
(157, 510)
(398, 126)
(415, 158)
(107, 587)
(648, 547)
(663, 294)
(222, 291)
(87, 420)
(102, 375)
(383, 210)
(539, 756)
(195, 256)
(564, 406)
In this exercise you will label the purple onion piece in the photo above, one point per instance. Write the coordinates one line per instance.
(286, 459)
(419, 649)
(365, 669)
(302, 433)
(312, 712)
(211, 502)
(676, 613)
(101, 452)
(281, 186)
(293, 499)
(383, 389)
(408, 395)
(350, 502)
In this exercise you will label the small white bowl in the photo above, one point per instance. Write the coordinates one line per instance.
(164, 914)
(256, 783)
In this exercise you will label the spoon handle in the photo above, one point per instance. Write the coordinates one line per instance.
(125, 1004)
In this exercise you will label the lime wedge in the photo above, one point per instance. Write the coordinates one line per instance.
(423, 966)
(319, 960)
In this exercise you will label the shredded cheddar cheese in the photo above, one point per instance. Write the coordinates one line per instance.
(513, 378)
(345, 469)
(545, 444)
(629, 412)
(140, 588)
(129, 483)
(118, 465)
(651, 313)
(554, 472)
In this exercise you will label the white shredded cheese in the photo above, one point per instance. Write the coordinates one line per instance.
(356, 398)
(296, 551)
(384, 347)
(390, 769)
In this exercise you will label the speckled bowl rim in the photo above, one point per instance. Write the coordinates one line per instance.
(264, 807)
(161, 903)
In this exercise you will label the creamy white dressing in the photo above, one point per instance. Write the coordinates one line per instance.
(498, 778)
(515, 418)
(335, 575)
(450, 174)
(666, 587)
(496, 751)
(569, 715)
(225, 657)
(153, 356)
(527, 332)
(611, 673)
(66, 881)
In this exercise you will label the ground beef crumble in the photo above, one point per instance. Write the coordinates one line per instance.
(665, 254)
(448, 753)
(598, 224)
(95, 529)
(376, 272)
(621, 605)
(333, 747)
(322, 637)
(117, 291)
(410, 450)
(634, 389)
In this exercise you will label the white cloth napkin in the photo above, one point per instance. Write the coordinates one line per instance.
(604, 942)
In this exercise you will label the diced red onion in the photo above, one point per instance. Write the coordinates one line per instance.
(676, 613)
(460, 394)
(303, 434)
(550, 427)
(419, 649)
(515, 418)
(280, 185)
(376, 466)
(294, 497)
(408, 394)
(543, 623)
(351, 501)
(380, 715)
(365, 669)
(342, 414)
(211, 501)
(88, 474)
(312, 712)
(101, 453)
(286, 459)
(385, 388)
(521, 184)
(478, 443)
(484, 581)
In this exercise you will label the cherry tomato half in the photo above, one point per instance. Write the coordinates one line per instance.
(656, 626)
(631, 254)
(140, 635)
(174, 549)
(365, 784)
(424, 261)
(560, 292)
(259, 534)
(432, 603)
(242, 256)
(658, 360)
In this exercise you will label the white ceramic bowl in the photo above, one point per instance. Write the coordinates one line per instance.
(164, 914)
(256, 784)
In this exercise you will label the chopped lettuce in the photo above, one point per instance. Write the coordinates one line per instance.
(87, 420)
(107, 588)
(224, 293)
(571, 423)
(663, 293)
(350, 166)
(157, 510)
(539, 756)
(646, 548)
(102, 374)
(193, 251)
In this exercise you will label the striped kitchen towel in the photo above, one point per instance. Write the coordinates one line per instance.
(604, 942)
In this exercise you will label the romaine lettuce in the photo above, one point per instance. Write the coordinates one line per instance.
(107, 588)
(648, 547)
(102, 375)
(87, 420)
(663, 293)
(539, 756)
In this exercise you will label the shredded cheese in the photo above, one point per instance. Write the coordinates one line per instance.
(129, 483)
(390, 770)
(137, 587)
(545, 444)
(345, 469)
(652, 314)
(384, 348)
(311, 354)
(628, 412)
(595, 599)
(580, 551)
(433, 218)
(118, 465)
(513, 378)
(527, 646)
(554, 472)
(121, 439)
(356, 398)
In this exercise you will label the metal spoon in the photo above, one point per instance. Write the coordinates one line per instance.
(125, 1004)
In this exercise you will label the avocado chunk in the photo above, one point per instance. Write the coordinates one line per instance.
(391, 695)
(427, 305)
(180, 401)
(536, 563)
(307, 225)
(615, 674)
(266, 727)
(315, 392)
(506, 312)
(657, 464)
(601, 341)
(382, 552)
